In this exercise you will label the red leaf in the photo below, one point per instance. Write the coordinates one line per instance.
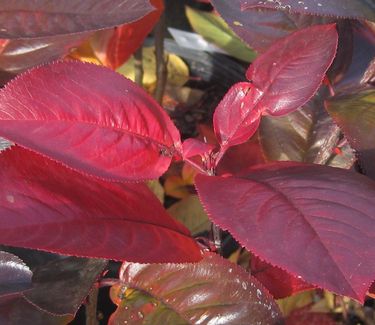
(279, 283)
(236, 118)
(314, 221)
(357, 9)
(38, 18)
(91, 119)
(193, 147)
(114, 47)
(44, 205)
(289, 73)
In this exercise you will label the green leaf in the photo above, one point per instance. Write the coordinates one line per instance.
(190, 212)
(215, 30)
(354, 112)
(307, 135)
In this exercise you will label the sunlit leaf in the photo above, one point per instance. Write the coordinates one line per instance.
(89, 118)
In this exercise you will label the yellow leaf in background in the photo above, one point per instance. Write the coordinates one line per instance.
(178, 71)
(190, 212)
(157, 189)
(85, 53)
(298, 300)
(188, 174)
(176, 187)
(215, 30)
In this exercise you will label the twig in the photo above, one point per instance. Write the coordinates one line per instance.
(91, 306)
(216, 232)
(161, 63)
(138, 66)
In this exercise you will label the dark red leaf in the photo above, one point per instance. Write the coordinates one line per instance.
(91, 119)
(261, 27)
(60, 287)
(314, 221)
(38, 18)
(279, 283)
(237, 117)
(15, 276)
(213, 291)
(21, 54)
(114, 47)
(354, 9)
(44, 205)
(289, 73)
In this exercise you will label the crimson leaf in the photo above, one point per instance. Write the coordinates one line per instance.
(91, 119)
(289, 73)
(44, 205)
(314, 221)
(213, 291)
(38, 18)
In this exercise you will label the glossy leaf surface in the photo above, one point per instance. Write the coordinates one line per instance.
(307, 135)
(355, 114)
(314, 221)
(91, 119)
(354, 9)
(28, 19)
(115, 46)
(236, 118)
(213, 291)
(289, 73)
(60, 287)
(15, 276)
(44, 205)
(19, 55)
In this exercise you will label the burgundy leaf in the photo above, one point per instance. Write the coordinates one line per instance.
(38, 18)
(44, 205)
(15, 276)
(213, 291)
(91, 119)
(60, 287)
(289, 73)
(314, 221)
(278, 282)
(21, 54)
(354, 9)
(236, 118)
(303, 316)
(261, 27)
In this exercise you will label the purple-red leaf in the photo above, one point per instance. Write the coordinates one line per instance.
(44, 205)
(236, 118)
(213, 291)
(38, 18)
(15, 276)
(91, 119)
(289, 73)
(60, 286)
(193, 147)
(354, 9)
(314, 221)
